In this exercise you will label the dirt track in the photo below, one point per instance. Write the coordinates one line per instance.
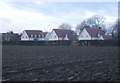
(59, 63)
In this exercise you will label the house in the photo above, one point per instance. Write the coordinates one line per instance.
(93, 34)
(10, 36)
(106, 37)
(61, 34)
(31, 35)
(47, 36)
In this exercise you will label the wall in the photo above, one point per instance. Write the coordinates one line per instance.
(66, 38)
(85, 35)
(53, 36)
(55, 43)
(24, 35)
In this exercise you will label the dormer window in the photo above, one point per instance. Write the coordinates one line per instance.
(31, 35)
(42, 36)
(98, 35)
(35, 36)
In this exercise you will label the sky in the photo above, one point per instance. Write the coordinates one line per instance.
(40, 15)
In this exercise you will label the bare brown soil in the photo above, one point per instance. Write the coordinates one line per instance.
(59, 63)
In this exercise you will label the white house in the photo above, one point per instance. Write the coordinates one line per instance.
(47, 36)
(93, 34)
(60, 34)
(31, 35)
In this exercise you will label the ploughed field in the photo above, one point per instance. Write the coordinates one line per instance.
(59, 63)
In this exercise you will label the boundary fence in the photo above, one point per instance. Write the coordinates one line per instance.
(65, 42)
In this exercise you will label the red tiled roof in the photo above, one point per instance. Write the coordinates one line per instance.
(36, 32)
(33, 32)
(62, 33)
(107, 37)
(72, 37)
(45, 33)
(93, 32)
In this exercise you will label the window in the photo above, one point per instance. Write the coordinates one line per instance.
(35, 36)
(55, 36)
(99, 35)
(31, 35)
(42, 36)
(39, 36)
(81, 35)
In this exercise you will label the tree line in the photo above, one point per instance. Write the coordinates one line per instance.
(96, 21)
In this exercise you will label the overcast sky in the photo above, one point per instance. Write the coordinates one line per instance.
(19, 16)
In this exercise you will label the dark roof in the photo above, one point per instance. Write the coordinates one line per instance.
(72, 36)
(9, 34)
(93, 32)
(12, 36)
(36, 32)
(62, 33)
(33, 32)
(45, 33)
(3, 34)
(107, 37)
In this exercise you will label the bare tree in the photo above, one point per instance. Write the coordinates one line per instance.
(114, 30)
(10, 32)
(95, 22)
(65, 26)
(78, 28)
